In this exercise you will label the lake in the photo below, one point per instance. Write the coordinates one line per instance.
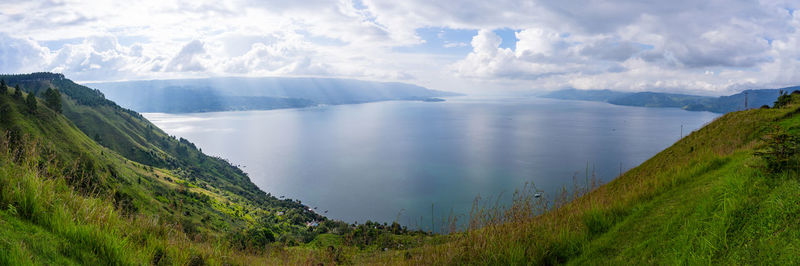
(390, 161)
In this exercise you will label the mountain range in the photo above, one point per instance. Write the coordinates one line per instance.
(723, 104)
(229, 94)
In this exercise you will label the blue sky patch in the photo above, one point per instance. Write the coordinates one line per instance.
(442, 41)
(509, 37)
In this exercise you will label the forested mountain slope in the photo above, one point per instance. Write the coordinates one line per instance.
(229, 94)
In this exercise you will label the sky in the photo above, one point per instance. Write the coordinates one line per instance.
(474, 46)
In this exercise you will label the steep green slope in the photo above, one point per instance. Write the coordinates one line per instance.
(132, 136)
(165, 176)
(707, 199)
(142, 197)
(67, 200)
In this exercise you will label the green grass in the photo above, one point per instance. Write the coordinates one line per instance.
(143, 197)
(160, 174)
(705, 200)
(43, 220)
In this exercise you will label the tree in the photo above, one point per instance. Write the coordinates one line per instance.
(52, 98)
(17, 92)
(30, 101)
(5, 113)
(783, 100)
(3, 86)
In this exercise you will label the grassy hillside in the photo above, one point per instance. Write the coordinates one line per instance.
(130, 135)
(707, 199)
(142, 196)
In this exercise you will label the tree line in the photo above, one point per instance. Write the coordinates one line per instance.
(51, 96)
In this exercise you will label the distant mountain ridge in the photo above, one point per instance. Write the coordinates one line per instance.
(723, 104)
(227, 94)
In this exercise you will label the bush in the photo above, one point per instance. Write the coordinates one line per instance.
(253, 239)
(124, 203)
(260, 237)
(781, 151)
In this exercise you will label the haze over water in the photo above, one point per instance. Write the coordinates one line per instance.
(389, 161)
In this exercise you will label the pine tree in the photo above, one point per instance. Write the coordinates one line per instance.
(52, 99)
(5, 113)
(30, 101)
(3, 86)
(17, 92)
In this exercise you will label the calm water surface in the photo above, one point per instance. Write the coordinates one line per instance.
(390, 161)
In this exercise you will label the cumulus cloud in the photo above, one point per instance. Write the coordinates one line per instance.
(539, 53)
(21, 55)
(613, 50)
(189, 58)
(683, 45)
(488, 60)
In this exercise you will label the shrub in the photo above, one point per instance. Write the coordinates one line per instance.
(781, 151)
(260, 237)
(253, 239)
(124, 203)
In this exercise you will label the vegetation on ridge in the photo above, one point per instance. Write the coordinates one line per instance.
(727, 193)
(192, 208)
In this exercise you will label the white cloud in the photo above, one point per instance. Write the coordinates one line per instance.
(622, 44)
(189, 59)
(23, 55)
(454, 44)
(538, 42)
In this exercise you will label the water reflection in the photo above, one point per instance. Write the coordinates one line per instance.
(370, 161)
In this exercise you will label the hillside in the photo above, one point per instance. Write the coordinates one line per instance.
(139, 173)
(227, 94)
(708, 199)
(131, 194)
(723, 104)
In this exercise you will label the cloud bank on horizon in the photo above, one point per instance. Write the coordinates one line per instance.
(703, 47)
